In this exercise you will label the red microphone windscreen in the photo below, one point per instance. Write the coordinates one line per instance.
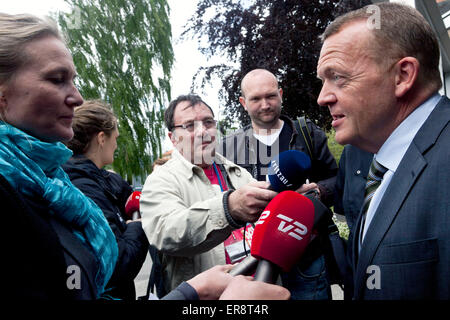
(132, 204)
(283, 230)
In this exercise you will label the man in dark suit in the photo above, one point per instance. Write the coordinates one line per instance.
(380, 83)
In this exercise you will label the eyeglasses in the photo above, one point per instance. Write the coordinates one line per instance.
(208, 124)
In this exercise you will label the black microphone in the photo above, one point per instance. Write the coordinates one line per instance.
(246, 267)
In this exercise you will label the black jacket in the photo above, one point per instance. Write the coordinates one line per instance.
(40, 254)
(110, 192)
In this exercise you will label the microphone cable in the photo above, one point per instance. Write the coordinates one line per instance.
(243, 238)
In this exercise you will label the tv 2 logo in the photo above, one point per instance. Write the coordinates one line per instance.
(286, 225)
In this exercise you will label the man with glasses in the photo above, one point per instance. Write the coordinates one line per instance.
(193, 202)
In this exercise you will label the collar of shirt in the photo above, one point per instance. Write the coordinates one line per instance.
(269, 139)
(395, 147)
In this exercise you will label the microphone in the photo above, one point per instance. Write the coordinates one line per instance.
(288, 170)
(246, 267)
(282, 234)
(132, 205)
(322, 216)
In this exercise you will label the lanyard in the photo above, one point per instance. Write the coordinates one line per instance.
(218, 176)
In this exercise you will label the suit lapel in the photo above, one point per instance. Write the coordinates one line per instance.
(404, 178)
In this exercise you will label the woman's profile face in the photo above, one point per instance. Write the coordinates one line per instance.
(109, 147)
(41, 96)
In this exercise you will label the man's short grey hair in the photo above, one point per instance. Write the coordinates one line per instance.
(403, 32)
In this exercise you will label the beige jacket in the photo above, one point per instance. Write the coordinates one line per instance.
(183, 216)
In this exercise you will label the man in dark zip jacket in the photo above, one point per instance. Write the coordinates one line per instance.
(269, 134)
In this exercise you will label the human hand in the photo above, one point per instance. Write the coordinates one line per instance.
(131, 221)
(211, 283)
(245, 288)
(309, 187)
(246, 203)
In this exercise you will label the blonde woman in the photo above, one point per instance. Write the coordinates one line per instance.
(58, 243)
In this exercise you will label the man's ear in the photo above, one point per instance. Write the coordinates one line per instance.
(172, 137)
(406, 74)
(242, 101)
(175, 139)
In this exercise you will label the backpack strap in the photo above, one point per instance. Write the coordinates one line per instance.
(304, 131)
(155, 280)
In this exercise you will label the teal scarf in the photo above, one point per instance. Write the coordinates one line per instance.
(33, 168)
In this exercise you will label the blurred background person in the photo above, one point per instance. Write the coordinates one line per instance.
(93, 144)
(163, 159)
(64, 247)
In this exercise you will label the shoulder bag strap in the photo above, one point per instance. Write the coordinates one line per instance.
(304, 131)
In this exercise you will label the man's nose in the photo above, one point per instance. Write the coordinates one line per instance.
(326, 97)
(265, 103)
(198, 125)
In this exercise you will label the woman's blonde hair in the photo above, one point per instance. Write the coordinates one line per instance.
(16, 31)
(91, 118)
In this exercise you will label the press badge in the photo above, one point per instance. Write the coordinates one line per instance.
(236, 248)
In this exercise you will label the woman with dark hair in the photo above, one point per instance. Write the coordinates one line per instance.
(93, 144)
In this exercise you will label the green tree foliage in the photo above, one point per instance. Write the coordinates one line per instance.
(279, 35)
(123, 54)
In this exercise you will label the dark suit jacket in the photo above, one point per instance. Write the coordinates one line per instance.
(408, 240)
(351, 180)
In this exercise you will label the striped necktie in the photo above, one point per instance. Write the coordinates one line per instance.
(374, 178)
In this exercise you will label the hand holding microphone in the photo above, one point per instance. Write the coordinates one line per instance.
(280, 237)
(287, 171)
(132, 206)
(246, 203)
(244, 288)
(282, 234)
